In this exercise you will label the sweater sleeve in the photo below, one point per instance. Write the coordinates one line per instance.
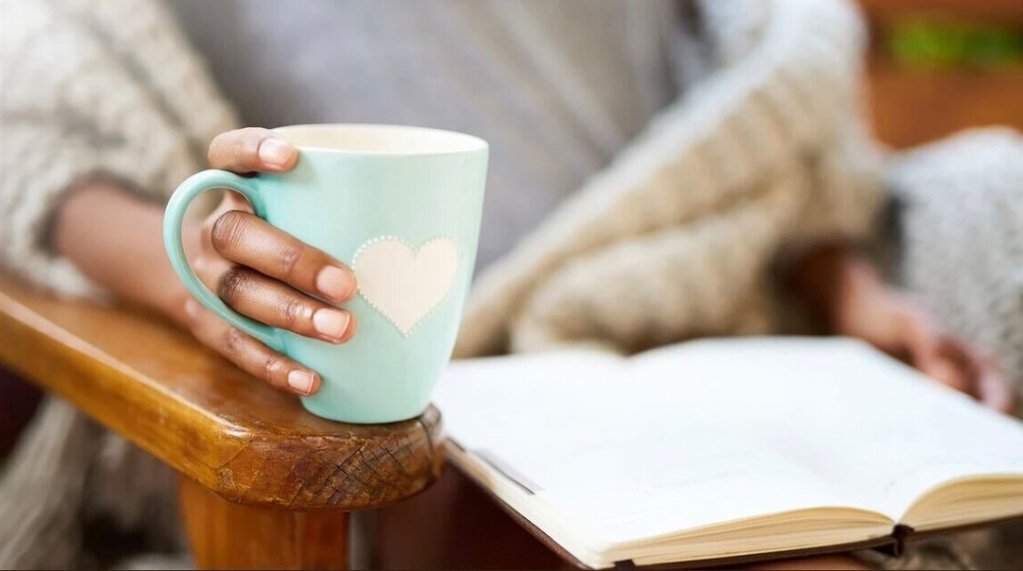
(845, 196)
(717, 186)
(74, 107)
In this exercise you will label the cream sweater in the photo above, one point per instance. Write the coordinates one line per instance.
(676, 238)
(721, 181)
(772, 136)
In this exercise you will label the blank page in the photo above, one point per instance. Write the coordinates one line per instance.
(844, 410)
(629, 449)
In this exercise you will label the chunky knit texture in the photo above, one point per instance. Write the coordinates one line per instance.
(89, 88)
(676, 239)
(960, 239)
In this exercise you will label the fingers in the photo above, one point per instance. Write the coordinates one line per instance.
(963, 368)
(918, 340)
(249, 241)
(924, 343)
(250, 355)
(995, 391)
(252, 149)
(279, 305)
(987, 381)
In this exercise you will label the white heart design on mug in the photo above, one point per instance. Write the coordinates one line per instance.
(402, 284)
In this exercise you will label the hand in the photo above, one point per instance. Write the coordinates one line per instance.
(901, 327)
(264, 273)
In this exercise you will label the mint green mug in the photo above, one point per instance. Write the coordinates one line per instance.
(401, 206)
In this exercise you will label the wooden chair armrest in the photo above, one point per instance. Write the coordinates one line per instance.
(234, 435)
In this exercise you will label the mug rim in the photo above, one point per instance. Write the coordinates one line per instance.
(459, 143)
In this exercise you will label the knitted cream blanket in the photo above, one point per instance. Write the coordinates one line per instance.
(677, 238)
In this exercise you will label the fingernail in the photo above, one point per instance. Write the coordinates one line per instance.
(301, 381)
(275, 152)
(330, 323)
(335, 283)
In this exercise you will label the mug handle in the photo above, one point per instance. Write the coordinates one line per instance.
(192, 187)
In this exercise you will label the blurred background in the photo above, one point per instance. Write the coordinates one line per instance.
(937, 66)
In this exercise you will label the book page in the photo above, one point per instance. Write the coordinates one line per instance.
(627, 450)
(719, 430)
(840, 408)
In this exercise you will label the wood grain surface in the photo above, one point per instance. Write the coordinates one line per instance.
(995, 11)
(225, 535)
(199, 414)
(913, 107)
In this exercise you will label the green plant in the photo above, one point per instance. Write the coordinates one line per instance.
(936, 43)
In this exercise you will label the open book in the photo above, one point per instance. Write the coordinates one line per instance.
(724, 449)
